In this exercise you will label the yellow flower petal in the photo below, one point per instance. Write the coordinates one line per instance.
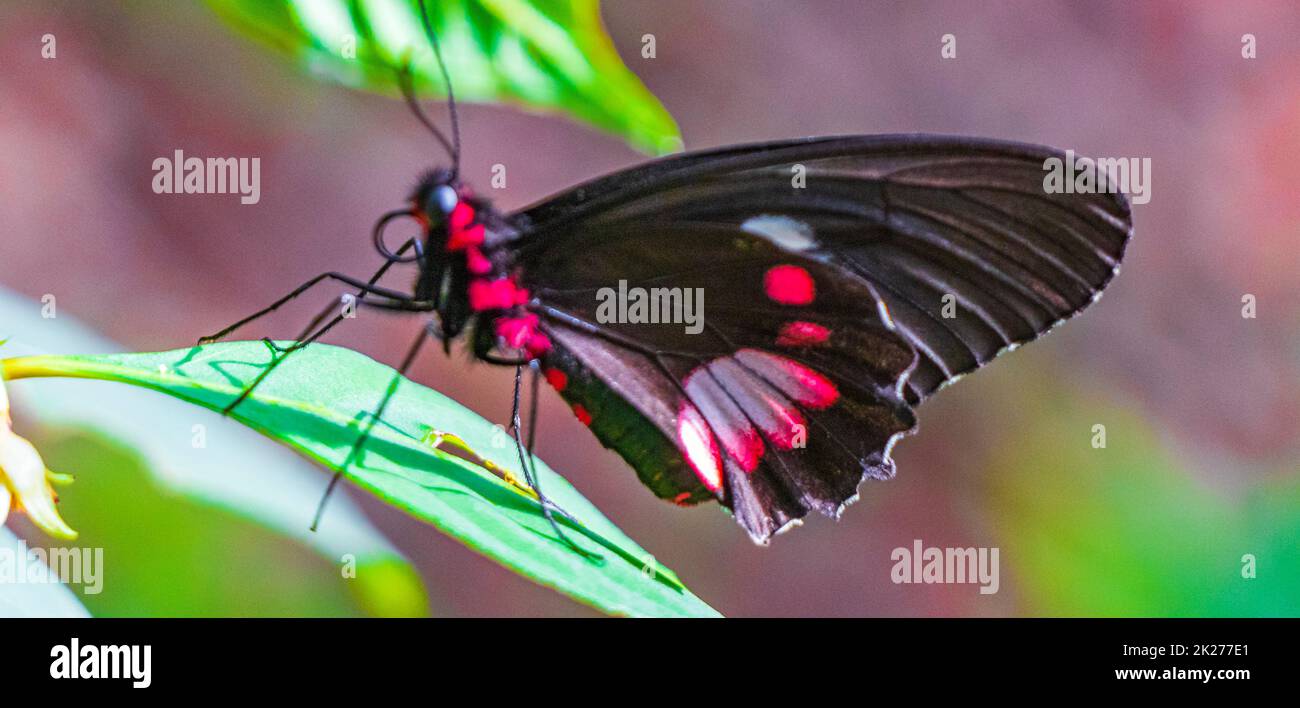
(23, 474)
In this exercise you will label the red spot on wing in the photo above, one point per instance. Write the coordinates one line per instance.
(584, 416)
(680, 499)
(789, 285)
(699, 447)
(557, 379)
(802, 334)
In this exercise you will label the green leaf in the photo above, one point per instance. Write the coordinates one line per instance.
(548, 54)
(239, 472)
(429, 456)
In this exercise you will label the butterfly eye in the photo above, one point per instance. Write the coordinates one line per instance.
(445, 197)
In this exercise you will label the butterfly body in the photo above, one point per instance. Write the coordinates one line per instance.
(829, 308)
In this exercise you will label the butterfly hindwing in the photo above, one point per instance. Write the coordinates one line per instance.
(785, 396)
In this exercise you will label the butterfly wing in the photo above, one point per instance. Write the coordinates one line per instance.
(956, 235)
(777, 402)
(843, 279)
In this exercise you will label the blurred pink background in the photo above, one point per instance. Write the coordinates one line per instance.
(1164, 80)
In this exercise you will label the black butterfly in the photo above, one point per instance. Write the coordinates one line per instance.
(845, 279)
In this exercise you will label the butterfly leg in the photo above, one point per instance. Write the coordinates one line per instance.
(530, 473)
(303, 339)
(355, 452)
(366, 288)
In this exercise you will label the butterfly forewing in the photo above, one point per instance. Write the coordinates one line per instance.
(957, 235)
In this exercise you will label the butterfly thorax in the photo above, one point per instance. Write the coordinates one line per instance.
(468, 271)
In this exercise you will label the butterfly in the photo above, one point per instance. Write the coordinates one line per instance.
(841, 282)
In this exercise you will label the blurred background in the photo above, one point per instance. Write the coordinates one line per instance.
(1201, 405)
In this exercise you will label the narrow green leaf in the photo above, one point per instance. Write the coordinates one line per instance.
(417, 458)
(548, 54)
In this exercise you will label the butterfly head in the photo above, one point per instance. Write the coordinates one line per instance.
(435, 198)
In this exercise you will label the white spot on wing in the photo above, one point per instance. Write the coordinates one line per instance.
(784, 232)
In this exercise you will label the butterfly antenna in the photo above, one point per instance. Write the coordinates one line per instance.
(407, 84)
(446, 79)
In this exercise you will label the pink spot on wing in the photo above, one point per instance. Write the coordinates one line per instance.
(742, 443)
(795, 380)
(745, 448)
(802, 334)
(782, 422)
(699, 446)
(789, 285)
(773, 413)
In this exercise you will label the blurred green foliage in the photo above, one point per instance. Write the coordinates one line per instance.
(546, 54)
(1124, 530)
(165, 555)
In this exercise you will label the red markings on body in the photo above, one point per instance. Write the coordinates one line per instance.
(523, 332)
(802, 334)
(680, 499)
(499, 294)
(476, 262)
(789, 285)
(518, 329)
(462, 232)
(515, 331)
